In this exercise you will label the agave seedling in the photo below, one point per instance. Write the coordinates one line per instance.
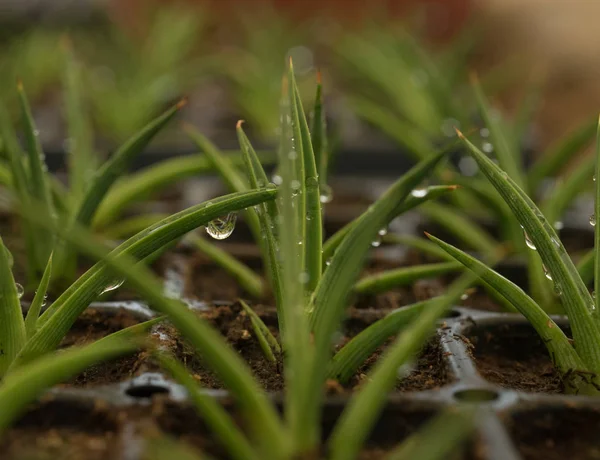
(316, 256)
(579, 362)
(313, 300)
(90, 198)
(502, 142)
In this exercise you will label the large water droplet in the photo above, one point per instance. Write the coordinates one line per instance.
(528, 241)
(376, 242)
(420, 192)
(382, 231)
(547, 272)
(116, 284)
(593, 220)
(222, 227)
(20, 290)
(326, 194)
(295, 186)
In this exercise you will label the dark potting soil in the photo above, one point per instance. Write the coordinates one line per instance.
(61, 431)
(513, 356)
(556, 434)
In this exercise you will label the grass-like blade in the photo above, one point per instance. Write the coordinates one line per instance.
(586, 266)
(440, 438)
(267, 216)
(318, 133)
(22, 386)
(38, 300)
(244, 275)
(216, 353)
(267, 342)
(557, 156)
(82, 161)
(215, 416)
(313, 233)
(346, 361)
(136, 331)
(564, 355)
(574, 295)
(118, 162)
(389, 279)
(58, 319)
(12, 326)
(358, 418)
(409, 203)
(151, 180)
(502, 146)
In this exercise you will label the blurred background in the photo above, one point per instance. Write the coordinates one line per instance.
(406, 60)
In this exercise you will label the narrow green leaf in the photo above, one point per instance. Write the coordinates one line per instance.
(119, 161)
(38, 301)
(409, 203)
(359, 416)
(264, 336)
(389, 279)
(319, 135)
(586, 265)
(440, 437)
(12, 326)
(574, 295)
(244, 275)
(137, 331)
(152, 180)
(24, 384)
(313, 227)
(503, 148)
(353, 355)
(557, 156)
(226, 362)
(267, 216)
(82, 161)
(563, 354)
(59, 318)
(216, 417)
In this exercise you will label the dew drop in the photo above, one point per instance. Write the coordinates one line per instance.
(277, 179)
(328, 262)
(484, 132)
(295, 185)
(116, 284)
(528, 241)
(487, 147)
(594, 178)
(558, 225)
(382, 232)
(20, 290)
(557, 289)
(303, 278)
(547, 272)
(326, 194)
(376, 242)
(420, 192)
(292, 155)
(465, 296)
(36, 132)
(555, 241)
(593, 220)
(504, 175)
(222, 227)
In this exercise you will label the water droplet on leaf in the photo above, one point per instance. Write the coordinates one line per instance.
(528, 241)
(547, 272)
(420, 192)
(116, 284)
(222, 227)
(326, 194)
(20, 290)
(593, 220)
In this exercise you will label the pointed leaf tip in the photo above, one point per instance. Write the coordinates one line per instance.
(319, 77)
(239, 124)
(459, 133)
(182, 103)
(19, 84)
(427, 234)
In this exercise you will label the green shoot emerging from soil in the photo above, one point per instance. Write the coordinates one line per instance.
(578, 362)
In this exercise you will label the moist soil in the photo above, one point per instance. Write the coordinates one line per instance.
(428, 372)
(556, 434)
(514, 357)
